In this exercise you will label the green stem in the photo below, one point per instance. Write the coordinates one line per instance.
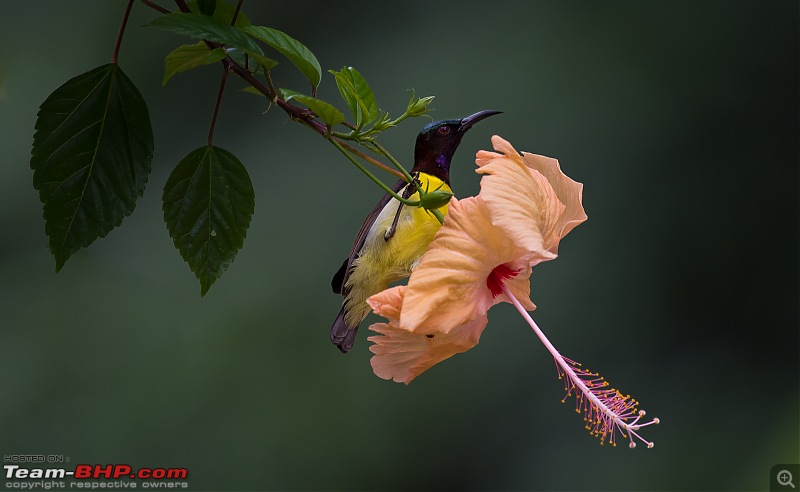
(376, 163)
(436, 213)
(396, 164)
(399, 119)
(372, 176)
(347, 136)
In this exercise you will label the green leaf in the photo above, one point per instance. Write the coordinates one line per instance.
(292, 49)
(189, 56)
(215, 55)
(223, 12)
(326, 111)
(358, 95)
(252, 90)
(207, 7)
(91, 157)
(383, 123)
(208, 202)
(203, 27)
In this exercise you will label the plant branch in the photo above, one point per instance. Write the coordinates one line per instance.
(396, 164)
(115, 55)
(295, 113)
(376, 163)
(236, 12)
(216, 106)
(372, 176)
(155, 6)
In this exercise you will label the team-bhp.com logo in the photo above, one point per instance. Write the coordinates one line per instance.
(152, 477)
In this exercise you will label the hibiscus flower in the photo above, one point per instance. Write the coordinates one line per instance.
(483, 255)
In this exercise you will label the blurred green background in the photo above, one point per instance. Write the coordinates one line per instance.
(681, 119)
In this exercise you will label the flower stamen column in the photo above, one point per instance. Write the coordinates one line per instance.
(606, 411)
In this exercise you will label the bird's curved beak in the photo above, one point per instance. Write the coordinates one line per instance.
(466, 123)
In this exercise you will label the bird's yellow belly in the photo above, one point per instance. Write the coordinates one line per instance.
(382, 261)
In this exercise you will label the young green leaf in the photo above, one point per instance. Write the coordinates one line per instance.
(358, 95)
(383, 123)
(326, 111)
(252, 90)
(208, 202)
(223, 12)
(91, 157)
(203, 27)
(292, 49)
(189, 56)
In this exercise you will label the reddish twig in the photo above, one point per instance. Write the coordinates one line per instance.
(115, 55)
(216, 106)
(156, 6)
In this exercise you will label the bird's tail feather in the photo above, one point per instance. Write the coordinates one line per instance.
(342, 334)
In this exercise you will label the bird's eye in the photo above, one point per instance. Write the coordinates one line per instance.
(444, 130)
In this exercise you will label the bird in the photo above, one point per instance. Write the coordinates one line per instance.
(394, 236)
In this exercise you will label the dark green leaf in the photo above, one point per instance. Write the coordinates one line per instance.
(292, 49)
(207, 7)
(215, 55)
(91, 157)
(208, 203)
(223, 13)
(203, 27)
(358, 95)
(326, 111)
(189, 56)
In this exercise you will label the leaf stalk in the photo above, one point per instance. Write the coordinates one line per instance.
(217, 105)
(118, 43)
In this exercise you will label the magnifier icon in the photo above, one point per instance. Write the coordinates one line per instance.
(785, 478)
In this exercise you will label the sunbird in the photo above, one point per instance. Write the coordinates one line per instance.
(394, 236)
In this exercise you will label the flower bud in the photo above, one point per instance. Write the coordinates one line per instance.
(435, 199)
(418, 107)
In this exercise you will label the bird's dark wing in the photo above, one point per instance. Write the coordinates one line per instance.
(340, 278)
(337, 283)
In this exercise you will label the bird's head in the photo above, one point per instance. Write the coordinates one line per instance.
(437, 143)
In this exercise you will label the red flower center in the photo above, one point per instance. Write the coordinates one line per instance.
(498, 275)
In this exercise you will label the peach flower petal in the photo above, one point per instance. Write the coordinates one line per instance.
(568, 191)
(402, 356)
(521, 203)
(557, 198)
(387, 303)
(448, 288)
